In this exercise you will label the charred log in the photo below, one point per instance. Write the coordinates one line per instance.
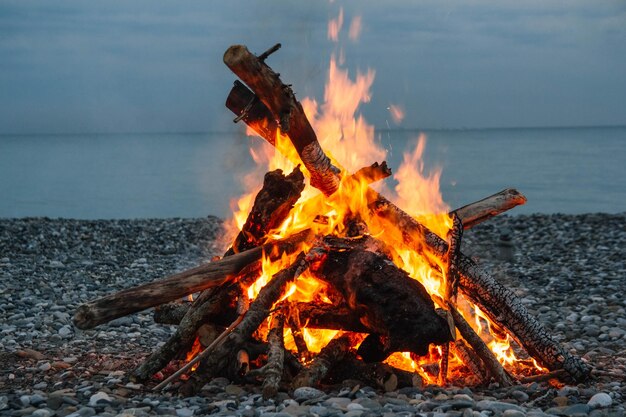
(271, 207)
(375, 374)
(281, 101)
(223, 353)
(397, 307)
(275, 358)
(332, 354)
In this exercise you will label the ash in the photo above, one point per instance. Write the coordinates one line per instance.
(569, 270)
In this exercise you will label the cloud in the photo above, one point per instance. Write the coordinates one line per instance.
(156, 65)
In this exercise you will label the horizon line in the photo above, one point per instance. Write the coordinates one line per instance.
(377, 129)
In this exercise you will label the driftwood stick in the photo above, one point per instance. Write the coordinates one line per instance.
(281, 101)
(499, 303)
(333, 353)
(452, 260)
(484, 353)
(479, 211)
(211, 274)
(259, 309)
(275, 357)
(372, 173)
(271, 207)
(469, 358)
(201, 355)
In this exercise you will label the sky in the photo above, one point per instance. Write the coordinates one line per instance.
(156, 66)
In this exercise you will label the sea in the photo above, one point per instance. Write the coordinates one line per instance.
(161, 175)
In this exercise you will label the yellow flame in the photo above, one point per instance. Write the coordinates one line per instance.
(341, 129)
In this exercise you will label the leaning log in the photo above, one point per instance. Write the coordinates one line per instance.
(488, 207)
(332, 354)
(271, 207)
(222, 354)
(275, 357)
(208, 275)
(281, 101)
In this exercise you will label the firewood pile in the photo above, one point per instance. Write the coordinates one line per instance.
(252, 331)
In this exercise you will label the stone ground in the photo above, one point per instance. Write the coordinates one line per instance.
(570, 272)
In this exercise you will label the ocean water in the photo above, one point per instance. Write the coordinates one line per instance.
(560, 170)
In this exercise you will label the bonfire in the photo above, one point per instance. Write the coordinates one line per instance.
(327, 279)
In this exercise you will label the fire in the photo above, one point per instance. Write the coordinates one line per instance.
(340, 128)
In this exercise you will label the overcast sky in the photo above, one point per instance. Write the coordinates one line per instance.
(153, 66)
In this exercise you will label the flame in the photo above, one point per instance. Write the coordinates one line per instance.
(340, 128)
(195, 349)
(397, 113)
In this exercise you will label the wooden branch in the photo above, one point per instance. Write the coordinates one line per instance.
(333, 353)
(375, 374)
(499, 303)
(372, 173)
(479, 211)
(484, 353)
(281, 101)
(219, 357)
(328, 316)
(271, 207)
(452, 260)
(470, 359)
(211, 274)
(275, 357)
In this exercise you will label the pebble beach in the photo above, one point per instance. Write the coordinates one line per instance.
(569, 271)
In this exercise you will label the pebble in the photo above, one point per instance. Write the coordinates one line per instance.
(307, 393)
(99, 398)
(56, 370)
(600, 400)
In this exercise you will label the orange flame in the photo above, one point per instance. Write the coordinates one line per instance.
(353, 142)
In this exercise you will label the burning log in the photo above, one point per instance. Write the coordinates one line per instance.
(328, 316)
(469, 358)
(271, 207)
(480, 348)
(388, 301)
(273, 370)
(376, 374)
(281, 101)
(332, 354)
(258, 311)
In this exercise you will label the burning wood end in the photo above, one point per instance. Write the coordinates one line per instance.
(382, 291)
